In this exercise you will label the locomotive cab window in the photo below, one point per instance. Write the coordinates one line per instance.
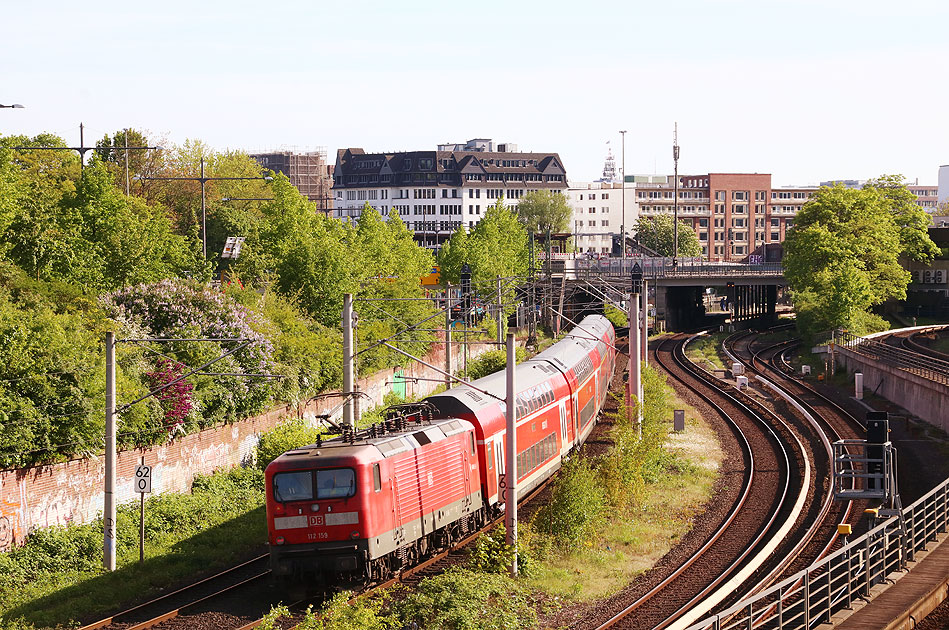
(293, 486)
(376, 478)
(335, 483)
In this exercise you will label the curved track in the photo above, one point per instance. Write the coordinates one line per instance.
(820, 421)
(752, 519)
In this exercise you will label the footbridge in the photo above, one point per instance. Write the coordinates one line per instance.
(676, 288)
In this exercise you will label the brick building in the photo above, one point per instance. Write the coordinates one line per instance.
(734, 215)
(435, 192)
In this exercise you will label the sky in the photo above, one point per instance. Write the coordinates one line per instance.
(805, 90)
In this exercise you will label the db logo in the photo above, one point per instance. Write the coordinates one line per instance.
(315, 521)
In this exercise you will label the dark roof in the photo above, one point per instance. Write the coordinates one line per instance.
(447, 165)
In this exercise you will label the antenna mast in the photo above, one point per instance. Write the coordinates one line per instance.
(675, 200)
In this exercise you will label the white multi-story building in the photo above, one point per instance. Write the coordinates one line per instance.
(598, 214)
(435, 192)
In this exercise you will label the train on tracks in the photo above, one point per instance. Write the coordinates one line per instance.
(363, 505)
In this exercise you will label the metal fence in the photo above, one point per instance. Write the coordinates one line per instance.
(919, 364)
(656, 268)
(812, 596)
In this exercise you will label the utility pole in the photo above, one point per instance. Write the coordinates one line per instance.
(634, 383)
(623, 190)
(349, 358)
(501, 325)
(108, 515)
(675, 200)
(645, 325)
(126, 161)
(448, 336)
(532, 297)
(510, 456)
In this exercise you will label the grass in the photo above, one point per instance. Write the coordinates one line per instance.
(707, 350)
(631, 544)
(56, 578)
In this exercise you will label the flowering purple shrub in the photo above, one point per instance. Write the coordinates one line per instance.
(178, 309)
(176, 399)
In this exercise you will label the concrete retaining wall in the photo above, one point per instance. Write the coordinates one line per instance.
(921, 397)
(73, 491)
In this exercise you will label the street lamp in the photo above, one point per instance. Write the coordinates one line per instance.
(204, 180)
(623, 191)
(14, 106)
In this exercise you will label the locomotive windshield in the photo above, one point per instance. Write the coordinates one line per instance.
(332, 483)
(335, 483)
(293, 486)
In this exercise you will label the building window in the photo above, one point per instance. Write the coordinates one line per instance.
(775, 237)
(604, 223)
(591, 210)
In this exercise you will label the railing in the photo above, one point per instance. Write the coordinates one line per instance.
(814, 595)
(655, 268)
(927, 367)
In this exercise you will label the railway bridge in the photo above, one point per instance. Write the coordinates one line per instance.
(676, 289)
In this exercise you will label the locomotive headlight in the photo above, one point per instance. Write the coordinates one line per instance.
(315, 507)
(280, 540)
(355, 534)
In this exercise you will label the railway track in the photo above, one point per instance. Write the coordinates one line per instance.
(914, 342)
(181, 602)
(743, 535)
(820, 421)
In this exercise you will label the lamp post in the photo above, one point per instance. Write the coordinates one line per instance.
(204, 180)
(622, 134)
(675, 196)
(14, 106)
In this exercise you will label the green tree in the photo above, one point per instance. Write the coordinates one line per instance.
(656, 233)
(842, 254)
(913, 222)
(96, 237)
(544, 210)
(141, 162)
(497, 246)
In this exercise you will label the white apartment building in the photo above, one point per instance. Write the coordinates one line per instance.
(598, 214)
(435, 192)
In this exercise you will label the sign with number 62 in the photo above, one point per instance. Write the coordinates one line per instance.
(143, 479)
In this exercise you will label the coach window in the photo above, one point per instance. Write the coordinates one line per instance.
(335, 483)
(376, 478)
(471, 439)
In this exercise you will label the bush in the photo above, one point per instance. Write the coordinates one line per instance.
(467, 600)
(617, 317)
(491, 362)
(182, 309)
(492, 554)
(289, 435)
(338, 613)
(576, 506)
(61, 566)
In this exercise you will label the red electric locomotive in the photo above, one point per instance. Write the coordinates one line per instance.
(361, 505)
(357, 507)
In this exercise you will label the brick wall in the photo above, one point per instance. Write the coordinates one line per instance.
(73, 491)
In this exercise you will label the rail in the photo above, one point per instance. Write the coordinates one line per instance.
(813, 595)
(927, 367)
